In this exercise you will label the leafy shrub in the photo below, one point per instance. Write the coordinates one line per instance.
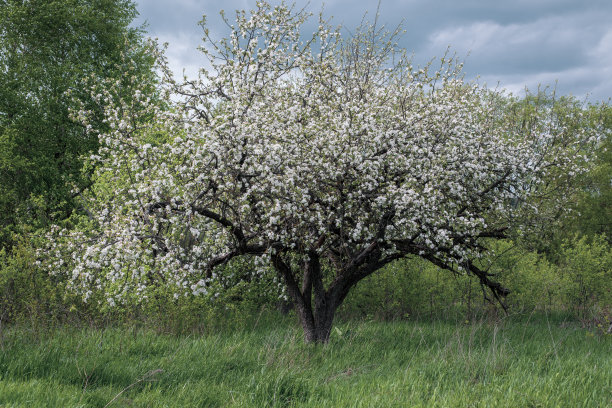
(534, 282)
(586, 263)
(26, 292)
(413, 287)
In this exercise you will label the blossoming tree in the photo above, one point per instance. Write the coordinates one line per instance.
(323, 157)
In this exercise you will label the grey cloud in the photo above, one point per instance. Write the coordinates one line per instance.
(516, 42)
(547, 44)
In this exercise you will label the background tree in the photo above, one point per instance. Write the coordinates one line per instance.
(326, 158)
(587, 195)
(51, 52)
(594, 203)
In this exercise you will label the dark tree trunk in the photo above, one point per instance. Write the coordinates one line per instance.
(315, 305)
(317, 318)
(325, 309)
(317, 327)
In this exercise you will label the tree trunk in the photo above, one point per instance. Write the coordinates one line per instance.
(317, 326)
(316, 319)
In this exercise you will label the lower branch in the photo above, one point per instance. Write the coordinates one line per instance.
(496, 288)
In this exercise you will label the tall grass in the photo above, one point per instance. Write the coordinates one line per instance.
(532, 362)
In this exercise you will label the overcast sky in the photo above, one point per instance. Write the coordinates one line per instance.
(515, 43)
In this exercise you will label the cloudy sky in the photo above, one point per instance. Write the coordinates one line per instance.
(515, 43)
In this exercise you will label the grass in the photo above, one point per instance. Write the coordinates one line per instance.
(513, 363)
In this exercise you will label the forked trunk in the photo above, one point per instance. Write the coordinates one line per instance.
(317, 326)
(317, 318)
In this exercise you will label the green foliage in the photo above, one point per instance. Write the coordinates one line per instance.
(580, 281)
(414, 288)
(534, 282)
(587, 266)
(49, 52)
(536, 362)
(594, 202)
(26, 292)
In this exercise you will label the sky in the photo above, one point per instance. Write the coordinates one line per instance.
(510, 44)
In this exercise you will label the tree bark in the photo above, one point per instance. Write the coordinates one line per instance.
(317, 327)
(316, 321)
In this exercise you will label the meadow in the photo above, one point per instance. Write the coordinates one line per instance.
(521, 361)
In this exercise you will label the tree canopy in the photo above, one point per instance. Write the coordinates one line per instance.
(325, 157)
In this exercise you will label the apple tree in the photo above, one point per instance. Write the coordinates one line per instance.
(323, 157)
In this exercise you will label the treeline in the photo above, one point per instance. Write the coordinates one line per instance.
(53, 53)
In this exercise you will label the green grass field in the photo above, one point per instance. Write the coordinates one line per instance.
(528, 362)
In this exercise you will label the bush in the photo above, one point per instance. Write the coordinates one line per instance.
(586, 264)
(534, 282)
(414, 287)
(26, 292)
